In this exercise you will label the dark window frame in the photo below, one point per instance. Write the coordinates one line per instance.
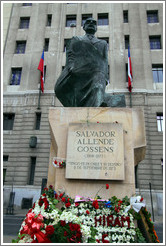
(49, 20)
(127, 41)
(27, 4)
(24, 22)
(20, 47)
(71, 20)
(16, 73)
(46, 44)
(155, 42)
(32, 170)
(38, 121)
(4, 174)
(152, 16)
(157, 70)
(103, 19)
(125, 16)
(5, 158)
(159, 117)
(8, 121)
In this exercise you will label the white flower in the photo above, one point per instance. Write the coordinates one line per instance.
(26, 239)
(86, 233)
(138, 198)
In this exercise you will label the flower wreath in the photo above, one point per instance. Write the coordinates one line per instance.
(80, 220)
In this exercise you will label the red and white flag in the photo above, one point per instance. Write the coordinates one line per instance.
(41, 68)
(130, 75)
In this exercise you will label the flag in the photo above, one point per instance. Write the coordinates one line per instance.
(41, 68)
(130, 75)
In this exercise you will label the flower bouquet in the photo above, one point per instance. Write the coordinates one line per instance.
(80, 220)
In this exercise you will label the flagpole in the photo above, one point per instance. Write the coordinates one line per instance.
(130, 100)
(39, 97)
(41, 68)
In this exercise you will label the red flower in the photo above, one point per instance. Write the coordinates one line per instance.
(141, 199)
(68, 199)
(103, 240)
(63, 223)
(44, 194)
(87, 211)
(40, 202)
(65, 233)
(107, 186)
(61, 195)
(55, 162)
(56, 195)
(77, 204)
(72, 227)
(49, 229)
(30, 210)
(78, 234)
(68, 204)
(63, 199)
(45, 189)
(97, 240)
(95, 204)
(51, 187)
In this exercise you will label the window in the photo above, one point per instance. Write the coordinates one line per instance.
(157, 73)
(102, 19)
(155, 42)
(125, 16)
(16, 76)
(45, 70)
(71, 20)
(152, 16)
(66, 43)
(160, 122)
(4, 175)
(8, 121)
(5, 158)
(24, 22)
(38, 120)
(136, 176)
(127, 41)
(20, 47)
(84, 17)
(49, 20)
(32, 170)
(27, 4)
(46, 44)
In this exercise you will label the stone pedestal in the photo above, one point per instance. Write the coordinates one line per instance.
(127, 140)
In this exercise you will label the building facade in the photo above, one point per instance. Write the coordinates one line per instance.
(34, 26)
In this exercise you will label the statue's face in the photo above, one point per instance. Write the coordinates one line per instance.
(90, 26)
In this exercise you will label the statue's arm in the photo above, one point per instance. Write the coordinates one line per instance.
(70, 58)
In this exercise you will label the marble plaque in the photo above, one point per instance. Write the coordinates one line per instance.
(95, 151)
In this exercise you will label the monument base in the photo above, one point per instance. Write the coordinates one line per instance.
(132, 122)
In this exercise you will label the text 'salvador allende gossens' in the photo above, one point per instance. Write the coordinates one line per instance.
(95, 141)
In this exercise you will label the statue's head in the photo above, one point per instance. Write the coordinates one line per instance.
(90, 26)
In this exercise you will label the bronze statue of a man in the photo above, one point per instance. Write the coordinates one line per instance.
(82, 82)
